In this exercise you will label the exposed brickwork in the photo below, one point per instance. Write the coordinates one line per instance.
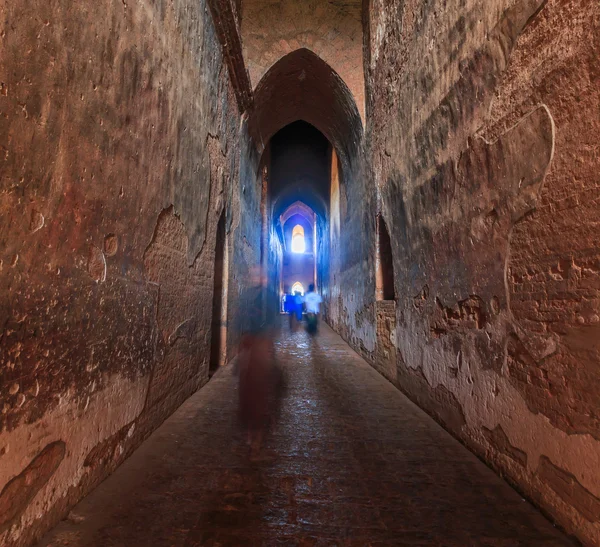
(554, 271)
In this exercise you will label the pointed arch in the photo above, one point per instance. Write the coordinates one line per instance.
(301, 86)
(298, 208)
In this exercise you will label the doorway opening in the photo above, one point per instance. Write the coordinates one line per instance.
(298, 243)
(299, 259)
(385, 263)
(217, 326)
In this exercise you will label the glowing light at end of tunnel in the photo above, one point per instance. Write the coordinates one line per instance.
(298, 242)
(298, 287)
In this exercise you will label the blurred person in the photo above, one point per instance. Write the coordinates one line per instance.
(312, 301)
(288, 307)
(298, 304)
(261, 382)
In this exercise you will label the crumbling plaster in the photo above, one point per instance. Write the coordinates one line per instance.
(476, 115)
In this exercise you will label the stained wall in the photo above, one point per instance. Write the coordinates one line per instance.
(121, 145)
(482, 132)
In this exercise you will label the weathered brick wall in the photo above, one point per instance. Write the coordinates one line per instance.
(119, 140)
(483, 125)
(385, 360)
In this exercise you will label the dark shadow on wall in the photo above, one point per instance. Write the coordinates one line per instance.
(217, 306)
(385, 263)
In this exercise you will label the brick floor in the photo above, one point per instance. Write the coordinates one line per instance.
(355, 463)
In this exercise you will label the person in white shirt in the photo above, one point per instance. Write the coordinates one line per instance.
(312, 302)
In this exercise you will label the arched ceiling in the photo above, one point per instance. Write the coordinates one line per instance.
(306, 192)
(298, 208)
(301, 86)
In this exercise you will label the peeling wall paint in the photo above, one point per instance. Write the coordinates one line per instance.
(473, 127)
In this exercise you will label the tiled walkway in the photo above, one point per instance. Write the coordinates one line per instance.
(355, 464)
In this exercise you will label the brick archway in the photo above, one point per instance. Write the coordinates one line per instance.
(301, 86)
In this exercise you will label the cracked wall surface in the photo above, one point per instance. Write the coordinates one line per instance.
(120, 146)
(482, 124)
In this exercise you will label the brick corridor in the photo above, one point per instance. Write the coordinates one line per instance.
(355, 463)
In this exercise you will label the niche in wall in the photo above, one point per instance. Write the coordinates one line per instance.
(384, 263)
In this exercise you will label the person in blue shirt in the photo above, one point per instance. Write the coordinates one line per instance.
(298, 303)
(288, 307)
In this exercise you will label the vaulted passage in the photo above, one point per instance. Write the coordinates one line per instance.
(422, 173)
(299, 192)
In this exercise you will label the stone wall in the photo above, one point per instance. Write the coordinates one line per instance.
(274, 282)
(482, 129)
(120, 145)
